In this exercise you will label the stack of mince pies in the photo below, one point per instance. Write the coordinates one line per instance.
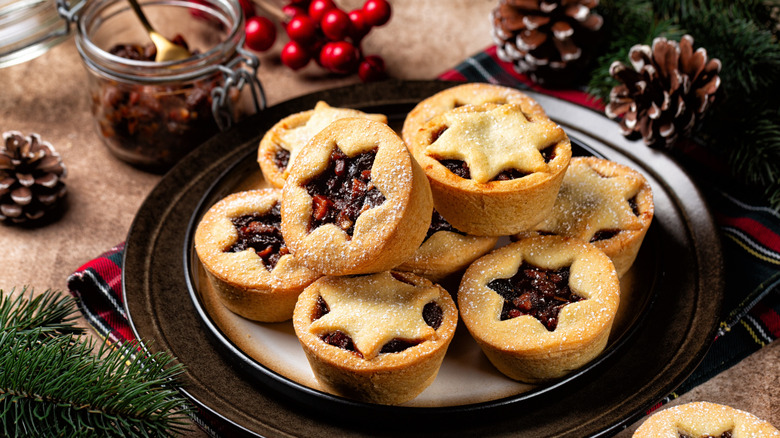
(362, 226)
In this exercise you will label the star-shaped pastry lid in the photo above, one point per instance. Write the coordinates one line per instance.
(491, 138)
(295, 139)
(374, 310)
(589, 202)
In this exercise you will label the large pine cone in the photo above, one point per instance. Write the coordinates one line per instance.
(665, 93)
(31, 174)
(551, 41)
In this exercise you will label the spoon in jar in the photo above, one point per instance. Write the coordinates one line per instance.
(166, 50)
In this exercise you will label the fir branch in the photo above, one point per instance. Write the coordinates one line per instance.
(760, 165)
(65, 385)
(758, 11)
(50, 312)
(750, 55)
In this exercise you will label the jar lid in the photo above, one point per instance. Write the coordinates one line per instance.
(28, 28)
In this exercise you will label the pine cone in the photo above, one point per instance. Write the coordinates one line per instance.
(551, 41)
(667, 91)
(31, 174)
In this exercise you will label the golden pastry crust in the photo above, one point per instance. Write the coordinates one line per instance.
(485, 137)
(522, 347)
(384, 236)
(466, 94)
(593, 198)
(373, 310)
(241, 280)
(704, 419)
(294, 131)
(445, 253)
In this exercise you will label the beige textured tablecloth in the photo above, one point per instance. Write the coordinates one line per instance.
(47, 95)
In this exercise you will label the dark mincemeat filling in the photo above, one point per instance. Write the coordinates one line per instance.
(534, 291)
(154, 125)
(438, 223)
(344, 191)
(281, 158)
(727, 434)
(263, 233)
(432, 315)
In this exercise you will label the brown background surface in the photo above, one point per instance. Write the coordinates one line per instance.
(47, 96)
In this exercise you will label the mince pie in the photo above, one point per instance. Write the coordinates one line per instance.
(605, 203)
(494, 169)
(704, 420)
(240, 245)
(355, 201)
(540, 307)
(281, 144)
(377, 338)
(465, 94)
(446, 250)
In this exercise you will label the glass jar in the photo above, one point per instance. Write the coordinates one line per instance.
(151, 114)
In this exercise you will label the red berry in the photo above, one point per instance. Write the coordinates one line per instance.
(335, 24)
(340, 57)
(318, 8)
(326, 52)
(372, 68)
(377, 12)
(293, 10)
(294, 55)
(302, 29)
(260, 33)
(359, 26)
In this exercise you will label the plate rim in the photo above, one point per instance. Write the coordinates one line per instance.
(705, 223)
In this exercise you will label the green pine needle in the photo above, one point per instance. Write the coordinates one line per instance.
(55, 383)
(50, 312)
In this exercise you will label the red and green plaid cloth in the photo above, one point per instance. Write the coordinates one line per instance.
(750, 234)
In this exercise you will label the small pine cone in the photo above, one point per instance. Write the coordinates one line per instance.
(666, 92)
(551, 41)
(31, 174)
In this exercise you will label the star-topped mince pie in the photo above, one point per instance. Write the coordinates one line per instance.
(541, 307)
(240, 245)
(281, 144)
(446, 251)
(355, 201)
(704, 420)
(605, 203)
(465, 94)
(494, 169)
(377, 338)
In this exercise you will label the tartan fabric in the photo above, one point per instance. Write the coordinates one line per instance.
(750, 232)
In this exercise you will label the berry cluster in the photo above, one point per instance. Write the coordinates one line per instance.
(320, 30)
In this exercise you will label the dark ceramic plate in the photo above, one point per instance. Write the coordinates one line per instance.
(671, 323)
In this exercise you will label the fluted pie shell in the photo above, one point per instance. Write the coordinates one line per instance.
(384, 236)
(595, 197)
(522, 348)
(373, 310)
(491, 139)
(704, 419)
(294, 131)
(241, 280)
